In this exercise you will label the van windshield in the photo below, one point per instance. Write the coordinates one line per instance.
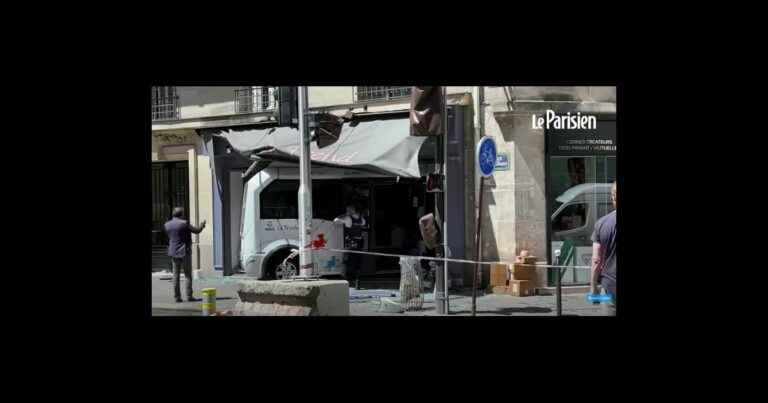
(571, 217)
(280, 200)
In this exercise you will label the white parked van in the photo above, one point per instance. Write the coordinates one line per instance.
(576, 212)
(270, 226)
(578, 209)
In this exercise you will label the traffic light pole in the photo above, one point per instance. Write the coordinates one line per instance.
(305, 190)
(446, 300)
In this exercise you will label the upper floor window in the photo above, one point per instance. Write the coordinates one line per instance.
(380, 93)
(165, 103)
(255, 99)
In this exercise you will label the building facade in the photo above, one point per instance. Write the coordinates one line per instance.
(519, 199)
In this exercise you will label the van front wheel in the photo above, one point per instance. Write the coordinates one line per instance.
(275, 269)
(286, 270)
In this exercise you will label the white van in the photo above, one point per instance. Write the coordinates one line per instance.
(578, 209)
(270, 226)
(576, 212)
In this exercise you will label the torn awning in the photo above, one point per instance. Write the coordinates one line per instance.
(382, 145)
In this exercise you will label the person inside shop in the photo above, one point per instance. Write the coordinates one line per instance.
(604, 254)
(577, 174)
(180, 233)
(577, 171)
(354, 225)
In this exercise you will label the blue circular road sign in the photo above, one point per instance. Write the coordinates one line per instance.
(486, 156)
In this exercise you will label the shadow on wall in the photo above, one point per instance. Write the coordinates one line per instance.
(489, 246)
(529, 162)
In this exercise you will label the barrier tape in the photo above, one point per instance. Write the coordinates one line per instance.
(444, 259)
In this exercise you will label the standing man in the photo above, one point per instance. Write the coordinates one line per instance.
(354, 225)
(180, 250)
(604, 254)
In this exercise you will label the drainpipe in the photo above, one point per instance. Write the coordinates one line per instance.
(192, 154)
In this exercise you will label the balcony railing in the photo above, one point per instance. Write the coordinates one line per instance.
(255, 99)
(362, 94)
(166, 108)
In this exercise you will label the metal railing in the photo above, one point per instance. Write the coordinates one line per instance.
(255, 99)
(362, 94)
(165, 108)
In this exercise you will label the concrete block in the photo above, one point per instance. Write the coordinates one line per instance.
(292, 298)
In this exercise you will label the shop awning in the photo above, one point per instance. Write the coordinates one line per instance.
(382, 145)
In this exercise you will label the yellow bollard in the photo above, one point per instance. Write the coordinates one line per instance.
(209, 301)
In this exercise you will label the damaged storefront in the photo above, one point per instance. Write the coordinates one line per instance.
(371, 161)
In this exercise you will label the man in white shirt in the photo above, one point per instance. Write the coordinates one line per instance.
(354, 225)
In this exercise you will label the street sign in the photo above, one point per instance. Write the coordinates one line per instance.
(502, 162)
(486, 156)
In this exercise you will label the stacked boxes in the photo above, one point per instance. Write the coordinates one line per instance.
(499, 275)
(525, 270)
(520, 288)
(517, 280)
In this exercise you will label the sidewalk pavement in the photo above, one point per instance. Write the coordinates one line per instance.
(163, 303)
(460, 304)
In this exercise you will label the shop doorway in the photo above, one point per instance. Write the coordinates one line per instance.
(581, 167)
(391, 211)
(395, 218)
(395, 211)
(170, 188)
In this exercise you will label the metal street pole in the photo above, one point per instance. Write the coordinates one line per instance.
(305, 190)
(440, 278)
(478, 255)
(559, 292)
(446, 303)
(478, 101)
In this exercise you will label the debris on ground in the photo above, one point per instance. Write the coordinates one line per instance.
(390, 306)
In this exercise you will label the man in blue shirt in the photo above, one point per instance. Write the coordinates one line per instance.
(604, 254)
(180, 250)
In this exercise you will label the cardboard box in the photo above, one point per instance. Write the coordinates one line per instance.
(520, 288)
(499, 289)
(522, 272)
(499, 274)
